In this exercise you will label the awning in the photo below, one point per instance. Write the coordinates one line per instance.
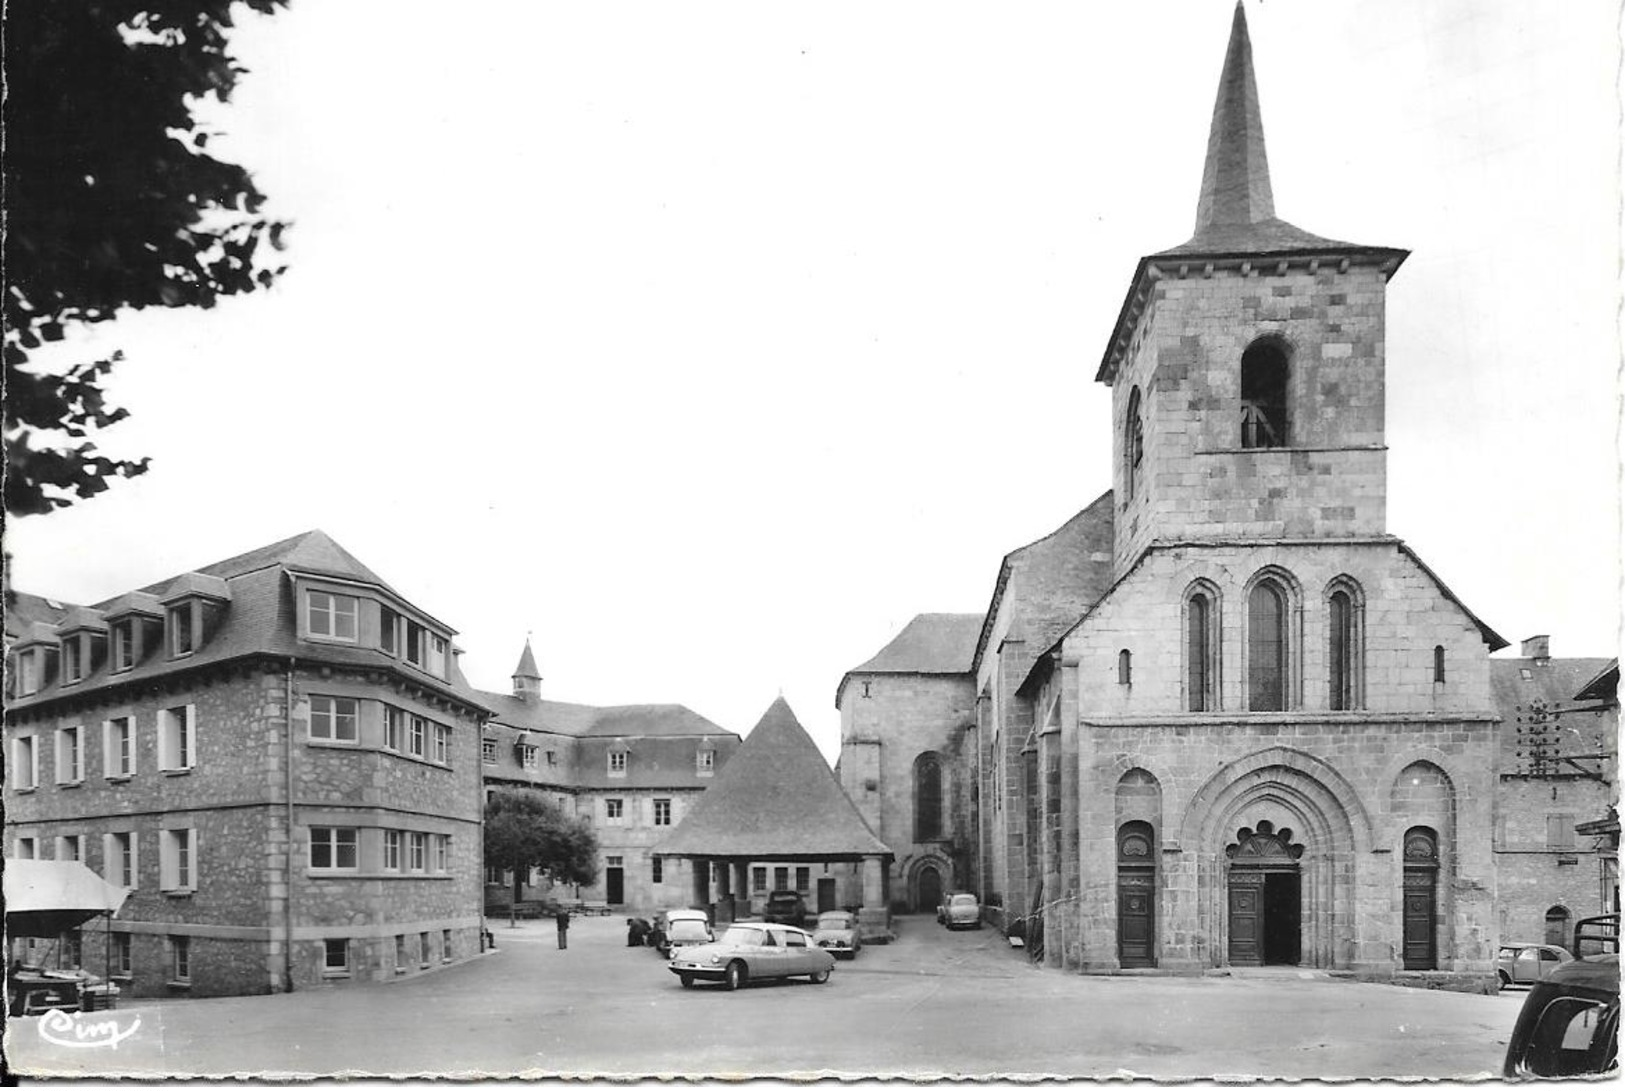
(49, 897)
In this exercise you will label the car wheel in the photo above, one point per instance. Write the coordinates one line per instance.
(735, 976)
(819, 978)
(1506, 982)
(687, 980)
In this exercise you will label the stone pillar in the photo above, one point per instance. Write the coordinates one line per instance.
(874, 918)
(701, 876)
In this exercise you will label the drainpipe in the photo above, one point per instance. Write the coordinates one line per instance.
(287, 901)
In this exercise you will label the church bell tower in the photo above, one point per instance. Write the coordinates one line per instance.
(1246, 364)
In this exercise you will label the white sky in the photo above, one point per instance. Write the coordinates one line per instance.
(710, 342)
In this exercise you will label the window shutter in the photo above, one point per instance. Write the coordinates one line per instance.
(109, 856)
(196, 854)
(191, 736)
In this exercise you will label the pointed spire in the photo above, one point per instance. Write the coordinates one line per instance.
(527, 679)
(1236, 177)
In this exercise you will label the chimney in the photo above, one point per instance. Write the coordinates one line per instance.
(1537, 647)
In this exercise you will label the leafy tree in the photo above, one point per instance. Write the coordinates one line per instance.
(112, 204)
(525, 830)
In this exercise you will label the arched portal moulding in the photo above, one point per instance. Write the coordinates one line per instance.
(1284, 785)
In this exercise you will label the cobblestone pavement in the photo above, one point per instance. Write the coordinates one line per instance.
(934, 1003)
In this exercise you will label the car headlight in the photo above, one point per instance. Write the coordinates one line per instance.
(716, 960)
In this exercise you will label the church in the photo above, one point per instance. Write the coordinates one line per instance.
(1222, 716)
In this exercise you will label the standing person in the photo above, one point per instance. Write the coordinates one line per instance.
(562, 918)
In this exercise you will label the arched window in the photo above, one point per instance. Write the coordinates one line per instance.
(1263, 394)
(1438, 662)
(1125, 667)
(1266, 647)
(1345, 652)
(1201, 650)
(927, 797)
(1133, 444)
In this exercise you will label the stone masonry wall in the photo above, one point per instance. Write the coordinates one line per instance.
(1195, 480)
(887, 722)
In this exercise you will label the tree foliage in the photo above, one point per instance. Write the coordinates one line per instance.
(113, 203)
(525, 830)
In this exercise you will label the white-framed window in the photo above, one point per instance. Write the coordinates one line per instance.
(614, 811)
(71, 846)
(182, 634)
(118, 746)
(442, 743)
(758, 880)
(394, 728)
(527, 756)
(442, 852)
(400, 954)
(423, 950)
(180, 958)
(334, 719)
(437, 656)
(445, 945)
(27, 848)
(662, 812)
(29, 669)
(416, 736)
(416, 643)
(617, 763)
(177, 737)
(73, 660)
(177, 859)
(389, 630)
(392, 850)
(70, 755)
(333, 848)
(331, 617)
(335, 958)
(418, 851)
(24, 771)
(705, 762)
(119, 858)
(803, 879)
(121, 961)
(488, 751)
(123, 637)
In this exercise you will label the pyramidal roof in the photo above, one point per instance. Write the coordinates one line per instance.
(527, 664)
(1235, 211)
(312, 551)
(776, 798)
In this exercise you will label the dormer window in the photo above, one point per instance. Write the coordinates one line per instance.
(331, 617)
(180, 622)
(389, 623)
(705, 761)
(73, 659)
(437, 656)
(617, 763)
(29, 664)
(123, 644)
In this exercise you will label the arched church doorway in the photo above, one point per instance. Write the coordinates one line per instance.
(1266, 898)
(928, 889)
(1421, 922)
(1136, 895)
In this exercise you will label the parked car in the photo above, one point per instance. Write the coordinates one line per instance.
(683, 928)
(837, 933)
(1527, 963)
(960, 910)
(1569, 1023)
(753, 952)
(785, 907)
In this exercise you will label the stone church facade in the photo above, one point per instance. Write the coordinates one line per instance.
(1222, 717)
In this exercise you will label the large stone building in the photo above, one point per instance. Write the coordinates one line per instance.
(277, 752)
(633, 771)
(1221, 716)
(1557, 767)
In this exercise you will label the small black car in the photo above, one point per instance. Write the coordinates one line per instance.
(785, 907)
(1569, 1025)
